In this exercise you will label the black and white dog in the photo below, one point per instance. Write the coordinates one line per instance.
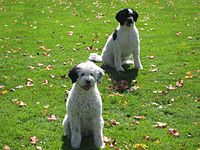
(123, 45)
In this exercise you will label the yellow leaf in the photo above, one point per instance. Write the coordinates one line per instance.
(188, 75)
(4, 92)
(140, 146)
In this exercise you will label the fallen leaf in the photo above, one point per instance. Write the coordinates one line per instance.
(45, 82)
(29, 82)
(19, 103)
(52, 76)
(154, 70)
(134, 88)
(165, 92)
(42, 47)
(174, 132)
(2, 86)
(180, 83)
(99, 15)
(188, 75)
(33, 140)
(110, 142)
(151, 57)
(38, 148)
(160, 125)
(135, 123)
(52, 118)
(146, 137)
(178, 33)
(6, 147)
(139, 117)
(49, 67)
(4, 92)
(140, 146)
(70, 33)
(40, 64)
(170, 87)
(19, 87)
(89, 47)
(190, 37)
(113, 122)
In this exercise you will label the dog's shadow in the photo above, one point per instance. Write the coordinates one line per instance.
(128, 75)
(87, 143)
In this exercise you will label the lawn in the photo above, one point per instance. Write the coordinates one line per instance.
(41, 40)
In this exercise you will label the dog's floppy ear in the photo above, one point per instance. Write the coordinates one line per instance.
(100, 73)
(119, 17)
(135, 15)
(73, 74)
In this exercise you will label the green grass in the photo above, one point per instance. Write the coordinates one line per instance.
(27, 25)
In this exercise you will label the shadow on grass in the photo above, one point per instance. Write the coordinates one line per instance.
(87, 143)
(128, 76)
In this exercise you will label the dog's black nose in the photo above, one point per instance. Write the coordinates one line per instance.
(88, 81)
(130, 20)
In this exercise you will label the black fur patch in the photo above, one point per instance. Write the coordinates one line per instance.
(114, 35)
(124, 14)
(73, 75)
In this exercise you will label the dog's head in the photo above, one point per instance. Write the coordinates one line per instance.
(126, 16)
(86, 74)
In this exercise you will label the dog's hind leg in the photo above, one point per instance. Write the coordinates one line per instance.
(66, 125)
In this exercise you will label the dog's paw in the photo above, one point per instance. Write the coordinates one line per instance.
(138, 66)
(120, 69)
(100, 144)
(75, 145)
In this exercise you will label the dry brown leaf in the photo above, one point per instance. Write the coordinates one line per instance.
(139, 117)
(154, 70)
(49, 67)
(19, 103)
(180, 83)
(33, 140)
(151, 57)
(110, 142)
(135, 123)
(174, 132)
(160, 125)
(170, 87)
(6, 147)
(113, 122)
(38, 148)
(45, 82)
(29, 82)
(52, 118)
(70, 33)
(178, 33)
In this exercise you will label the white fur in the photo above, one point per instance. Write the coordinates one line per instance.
(84, 107)
(126, 47)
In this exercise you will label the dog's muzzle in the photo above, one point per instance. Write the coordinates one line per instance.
(87, 85)
(129, 21)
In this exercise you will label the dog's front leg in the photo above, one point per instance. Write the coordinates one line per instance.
(98, 132)
(136, 55)
(66, 125)
(75, 132)
(118, 61)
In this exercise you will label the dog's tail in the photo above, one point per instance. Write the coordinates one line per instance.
(95, 57)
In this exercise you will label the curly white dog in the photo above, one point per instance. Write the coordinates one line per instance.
(84, 105)
(123, 44)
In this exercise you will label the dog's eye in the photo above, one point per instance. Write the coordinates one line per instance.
(82, 74)
(92, 74)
